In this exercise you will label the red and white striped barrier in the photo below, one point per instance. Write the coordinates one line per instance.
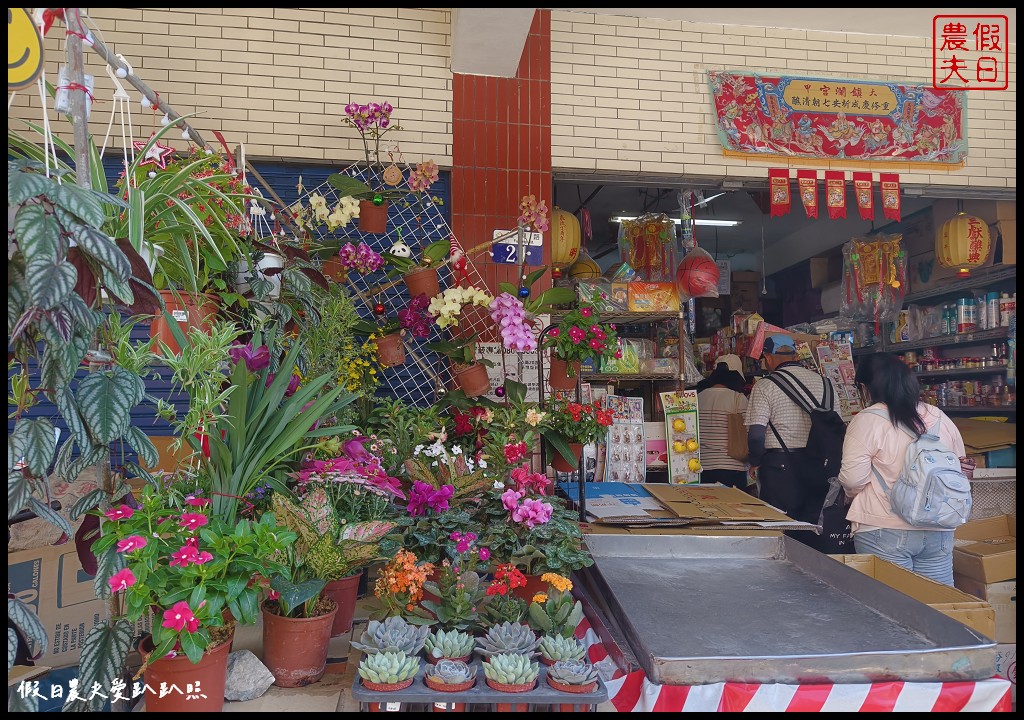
(633, 692)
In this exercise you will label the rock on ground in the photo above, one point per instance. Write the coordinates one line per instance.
(248, 678)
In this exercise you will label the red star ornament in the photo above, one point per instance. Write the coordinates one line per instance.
(158, 154)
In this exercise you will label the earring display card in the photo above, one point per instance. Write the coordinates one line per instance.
(626, 445)
(682, 436)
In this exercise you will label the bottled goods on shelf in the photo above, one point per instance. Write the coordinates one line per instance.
(993, 393)
(929, 360)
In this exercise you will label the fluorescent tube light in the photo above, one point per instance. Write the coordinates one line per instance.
(706, 222)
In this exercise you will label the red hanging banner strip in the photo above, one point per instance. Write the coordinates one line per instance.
(807, 182)
(835, 193)
(863, 189)
(778, 186)
(890, 184)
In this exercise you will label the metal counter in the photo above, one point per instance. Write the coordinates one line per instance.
(705, 609)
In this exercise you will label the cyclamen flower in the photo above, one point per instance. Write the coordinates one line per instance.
(119, 513)
(510, 499)
(180, 617)
(121, 580)
(193, 521)
(514, 452)
(425, 497)
(532, 513)
(132, 542)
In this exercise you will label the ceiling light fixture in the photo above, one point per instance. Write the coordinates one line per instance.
(706, 222)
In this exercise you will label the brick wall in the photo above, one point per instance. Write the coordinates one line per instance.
(630, 95)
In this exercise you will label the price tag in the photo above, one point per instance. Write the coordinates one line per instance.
(392, 707)
(180, 315)
(507, 251)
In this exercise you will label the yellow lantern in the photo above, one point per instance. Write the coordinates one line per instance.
(963, 243)
(565, 239)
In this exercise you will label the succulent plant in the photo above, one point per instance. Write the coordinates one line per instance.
(449, 644)
(511, 669)
(572, 672)
(556, 647)
(392, 635)
(388, 667)
(451, 672)
(508, 638)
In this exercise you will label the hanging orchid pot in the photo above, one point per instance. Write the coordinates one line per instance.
(373, 218)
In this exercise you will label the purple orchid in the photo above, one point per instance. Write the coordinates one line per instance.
(255, 359)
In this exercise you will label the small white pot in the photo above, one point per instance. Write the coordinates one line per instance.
(244, 277)
(151, 254)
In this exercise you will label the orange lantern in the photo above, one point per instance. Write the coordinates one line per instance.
(963, 243)
(565, 239)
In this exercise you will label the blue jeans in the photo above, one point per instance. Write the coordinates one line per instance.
(926, 552)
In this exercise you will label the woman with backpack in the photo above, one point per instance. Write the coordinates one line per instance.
(874, 454)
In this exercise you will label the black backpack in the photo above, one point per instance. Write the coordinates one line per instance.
(825, 441)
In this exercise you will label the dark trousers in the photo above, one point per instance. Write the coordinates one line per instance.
(788, 483)
(729, 478)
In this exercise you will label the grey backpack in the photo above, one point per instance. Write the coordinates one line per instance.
(932, 490)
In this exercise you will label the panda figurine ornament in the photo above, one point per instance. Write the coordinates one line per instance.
(400, 249)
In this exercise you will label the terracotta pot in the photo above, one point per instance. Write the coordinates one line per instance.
(295, 649)
(441, 687)
(579, 689)
(560, 464)
(512, 707)
(390, 350)
(473, 320)
(333, 270)
(386, 687)
(533, 586)
(546, 661)
(472, 379)
(422, 281)
(574, 708)
(563, 375)
(431, 660)
(344, 593)
(190, 310)
(373, 218)
(502, 687)
(211, 673)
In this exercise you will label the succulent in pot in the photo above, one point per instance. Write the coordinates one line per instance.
(392, 635)
(450, 676)
(385, 671)
(448, 645)
(555, 648)
(508, 638)
(572, 676)
(511, 672)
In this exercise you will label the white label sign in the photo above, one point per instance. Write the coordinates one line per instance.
(180, 315)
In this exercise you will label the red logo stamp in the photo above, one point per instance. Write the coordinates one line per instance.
(970, 52)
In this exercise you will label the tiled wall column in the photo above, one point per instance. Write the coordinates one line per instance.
(501, 149)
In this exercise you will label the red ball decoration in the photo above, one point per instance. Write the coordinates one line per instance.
(697, 276)
(556, 273)
(379, 309)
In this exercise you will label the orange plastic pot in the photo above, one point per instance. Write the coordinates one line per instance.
(373, 219)
(390, 350)
(563, 375)
(472, 379)
(533, 586)
(189, 310)
(560, 464)
(209, 676)
(295, 649)
(422, 281)
(344, 593)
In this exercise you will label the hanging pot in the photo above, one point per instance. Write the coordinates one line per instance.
(390, 350)
(333, 270)
(472, 379)
(473, 320)
(422, 281)
(190, 311)
(344, 593)
(209, 674)
(560, 464)
(151, 254)
(244, 276)
(373, 219)
(295, 649)
(563, 375)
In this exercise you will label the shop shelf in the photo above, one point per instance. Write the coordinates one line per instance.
(974, 338)
(630, 376)
(977, 409)
(977, 280)
(622, 317)
(962, 372)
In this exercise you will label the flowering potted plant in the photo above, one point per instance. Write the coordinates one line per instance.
(568, 426)
(399, 585)
(469, 371)
(453, 310)
(579, 336)
(194, 571)
(457, 595)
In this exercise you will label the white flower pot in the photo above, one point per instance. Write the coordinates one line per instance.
(151, 254)
(244, 277)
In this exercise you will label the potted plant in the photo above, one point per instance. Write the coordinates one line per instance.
(503, 605)
(572, 676)
(444, 644)
(450, 676)
(568, 426)
(388, 671)
(554, 648)
(469, 371)
(419, 273)
(193, 570)
(511, 672)
(580, 335)
(387, 332)
(452, 310)
(556, 613)
(393, 634)
(508, 638)
(457, 596)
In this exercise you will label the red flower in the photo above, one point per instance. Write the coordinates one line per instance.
(120, 513)
(180, 617)
(121, 580)
(463, 425)
(192, 521)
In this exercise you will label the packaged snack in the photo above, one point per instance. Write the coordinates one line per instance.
(653, 297)
(599, 288)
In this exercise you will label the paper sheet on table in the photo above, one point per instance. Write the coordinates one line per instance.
(618, 507)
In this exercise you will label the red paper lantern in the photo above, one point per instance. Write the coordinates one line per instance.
(697, 276)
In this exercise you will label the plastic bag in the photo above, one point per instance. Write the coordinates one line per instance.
(697, 275)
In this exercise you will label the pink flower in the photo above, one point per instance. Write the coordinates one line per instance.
(120, 513)
(132, 542)
(197, 501)
(121, 580)
(554, 332)
(532, 513)
(618, 354)
(192, 521)
(203, 557)
(180, 617)
(510, 499)
(185, 556)
(586, 312)
(514, 452)
(273, 594)
(596, 344)
(484, 554)
(462, 546)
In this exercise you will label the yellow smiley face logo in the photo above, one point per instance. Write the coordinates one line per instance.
(24, 49)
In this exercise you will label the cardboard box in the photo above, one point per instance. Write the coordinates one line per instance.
(973, 612)
(1008, 231)
(1006, 667)
(1002, 596)
(653, 297)
(986, 549)
(50, 580)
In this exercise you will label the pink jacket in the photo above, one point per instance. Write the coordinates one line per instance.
(872, 439)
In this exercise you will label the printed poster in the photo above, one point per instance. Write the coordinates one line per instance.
(626, 446)
(836, 364)
(682, 436)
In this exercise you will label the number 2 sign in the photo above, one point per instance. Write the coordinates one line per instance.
(508, 252)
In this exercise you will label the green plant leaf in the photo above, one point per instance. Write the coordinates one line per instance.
(19, 493)
(41, 445)
(559, 444)
(104, 654)
(107, 563)
(191, 647)
(348, 185)
(28, 624)
(88, 502)
(515, 391)
(294, 595)
(23, 184)
(82, 203)
(65, 401)
(12, 647)
(54, 518)
(97, 245)
(37, 233)
(535, 276)
(143, 445)
(106, 398)
(507, 287)
(48, 283)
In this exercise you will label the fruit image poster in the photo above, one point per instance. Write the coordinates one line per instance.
(682, 436)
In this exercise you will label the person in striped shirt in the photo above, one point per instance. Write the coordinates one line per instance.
(719, 396)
